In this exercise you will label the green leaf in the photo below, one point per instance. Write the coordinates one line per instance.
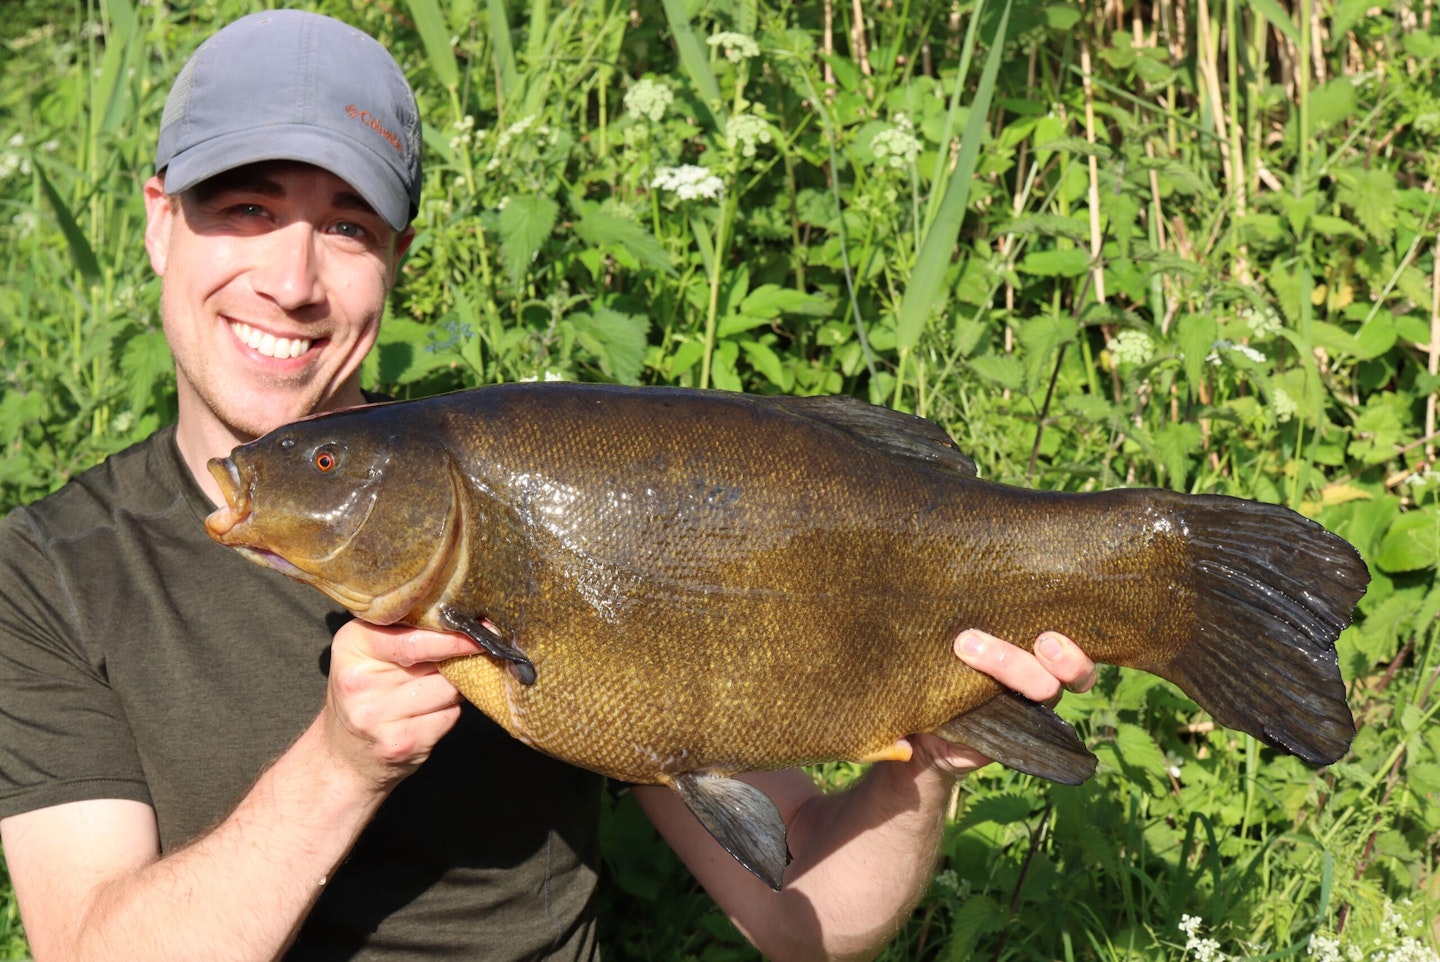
(617, 340)
(624, 239)
(768, 363)
(1332, 103)
(1067, 263)
(1412, 543)
(504, 51)
(146, 362)
(1003, 809)
(81, 254)
(1370, 195)
(525, 225)
(926, 280)
(1278, 18)
(1002, 369)
(435, 35)
(692, 54)
(772, 300)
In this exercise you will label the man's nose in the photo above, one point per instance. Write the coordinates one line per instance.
(289, 272)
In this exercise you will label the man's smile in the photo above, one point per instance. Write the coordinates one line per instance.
(268, 344)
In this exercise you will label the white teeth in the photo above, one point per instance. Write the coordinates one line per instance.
(269, 344)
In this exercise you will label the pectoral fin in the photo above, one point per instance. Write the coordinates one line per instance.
(1023, 735)
(490, 641)
(743, 820)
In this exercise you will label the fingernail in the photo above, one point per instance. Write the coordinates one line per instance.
(971, 643)
(1050, 647)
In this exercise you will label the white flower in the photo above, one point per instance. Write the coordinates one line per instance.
(1324, 949)
(1205, 950)
(1263, 322)
(745, 131)
(1282, 404)
(1131, 347)
(1214, 358)
(648, 99)
(689, 182)
(897, 146)
(1172, 764)
(738, 46)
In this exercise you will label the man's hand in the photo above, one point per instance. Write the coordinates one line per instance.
(387, 704)
(1056, 665)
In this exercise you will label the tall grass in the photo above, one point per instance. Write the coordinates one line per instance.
(1188, 243)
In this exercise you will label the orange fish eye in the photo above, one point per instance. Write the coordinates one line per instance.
(325, 460)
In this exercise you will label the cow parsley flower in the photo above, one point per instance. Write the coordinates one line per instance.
(648, 100)
(1204, 950)
(1282, 404)
(745, 131)
(738, 46)
(1131, 347)
(689, 182)
(1214, 359)
(897, 146)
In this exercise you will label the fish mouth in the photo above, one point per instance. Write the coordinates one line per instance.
(236, 509)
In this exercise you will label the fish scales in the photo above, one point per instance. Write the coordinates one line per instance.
(679, 584)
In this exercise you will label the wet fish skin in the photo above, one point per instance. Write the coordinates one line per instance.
(678, 586)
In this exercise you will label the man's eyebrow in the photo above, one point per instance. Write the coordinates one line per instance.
(246, 181)
(349, 200)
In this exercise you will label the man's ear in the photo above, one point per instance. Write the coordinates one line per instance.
(159, 212)
(402, 244)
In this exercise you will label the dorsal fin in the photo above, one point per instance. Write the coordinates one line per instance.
(892, 431)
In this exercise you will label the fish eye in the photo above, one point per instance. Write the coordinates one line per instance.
(325, 460)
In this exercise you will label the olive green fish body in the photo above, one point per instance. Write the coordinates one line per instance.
(679, 584)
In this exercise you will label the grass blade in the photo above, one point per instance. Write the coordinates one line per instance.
(925, 282)
(692, 54)
(435, 35)
(81, 253)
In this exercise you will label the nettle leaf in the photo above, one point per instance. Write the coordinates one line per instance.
(525, 224)
(1331, 103)
(1050, 225)
(1068, 263)
(625, 240)
(1002, 369)
(1412, 543)
(1333, 226)
(1370, 196)
(1376, 434)
(617, 341)
(146, 362)
(997, 809)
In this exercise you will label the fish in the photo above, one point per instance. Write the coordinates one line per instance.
(676, 587)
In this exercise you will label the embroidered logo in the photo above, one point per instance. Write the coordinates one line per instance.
(373, 122)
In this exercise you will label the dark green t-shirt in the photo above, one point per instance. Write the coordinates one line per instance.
(140, 660)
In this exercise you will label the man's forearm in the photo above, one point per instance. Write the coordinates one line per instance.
(863, 859)
(241, 891)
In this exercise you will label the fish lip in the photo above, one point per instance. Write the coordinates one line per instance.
(236, 509)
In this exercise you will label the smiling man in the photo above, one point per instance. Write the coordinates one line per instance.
(200, 759)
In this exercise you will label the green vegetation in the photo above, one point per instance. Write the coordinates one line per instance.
(1180, 244)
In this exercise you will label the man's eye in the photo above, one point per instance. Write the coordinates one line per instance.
(351, 229)
(248, 210)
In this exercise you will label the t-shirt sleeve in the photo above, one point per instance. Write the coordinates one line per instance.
(63, 733)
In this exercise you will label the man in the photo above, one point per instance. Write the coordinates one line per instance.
(167, 788)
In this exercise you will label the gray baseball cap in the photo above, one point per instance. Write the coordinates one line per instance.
(291, 85)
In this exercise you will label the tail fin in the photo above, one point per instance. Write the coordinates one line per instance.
(1273, 591)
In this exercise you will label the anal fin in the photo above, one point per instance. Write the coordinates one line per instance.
(1023, 735)
(742, 819)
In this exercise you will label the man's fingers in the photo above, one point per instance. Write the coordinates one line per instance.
(1056, 665)
(1064, 659)
(405, 646)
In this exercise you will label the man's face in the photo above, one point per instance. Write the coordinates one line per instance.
(274, 283)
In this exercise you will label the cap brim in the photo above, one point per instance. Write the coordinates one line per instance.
(375, 180)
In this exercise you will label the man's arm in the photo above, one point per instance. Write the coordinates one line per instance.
(92, 884)
(862, 857)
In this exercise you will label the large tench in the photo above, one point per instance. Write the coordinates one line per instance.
(675, 586)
